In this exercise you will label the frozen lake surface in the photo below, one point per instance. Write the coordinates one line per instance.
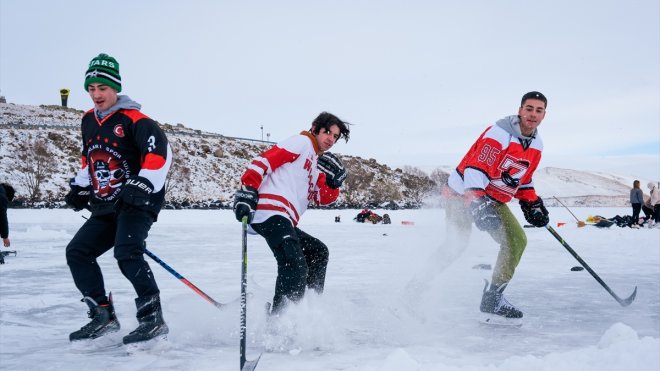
(366, 319)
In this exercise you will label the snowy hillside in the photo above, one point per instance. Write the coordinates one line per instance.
(208, 166)
(580, 188)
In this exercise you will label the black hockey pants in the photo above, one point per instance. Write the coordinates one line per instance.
(126, 232)
(301, 260)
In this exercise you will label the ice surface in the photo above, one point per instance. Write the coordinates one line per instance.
(366, 319)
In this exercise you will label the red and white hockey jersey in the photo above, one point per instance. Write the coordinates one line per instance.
(288, 180)
(499, 164)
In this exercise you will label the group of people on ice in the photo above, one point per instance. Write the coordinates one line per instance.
(650, 205)
(125, 159)
(639, 202)
(369, 216)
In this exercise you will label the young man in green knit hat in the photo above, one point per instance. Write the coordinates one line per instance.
(125, 159)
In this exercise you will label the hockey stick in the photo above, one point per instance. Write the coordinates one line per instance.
(623, 302)
(245, 364)
(579, 222)
(183, 279)
(177, 275)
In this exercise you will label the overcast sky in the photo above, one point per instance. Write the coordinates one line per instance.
(420, 80)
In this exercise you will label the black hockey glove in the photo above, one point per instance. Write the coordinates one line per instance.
(535, 213)
(335, 172)
(78, 197)
(136, 193)
(245, 202)
(484, 213)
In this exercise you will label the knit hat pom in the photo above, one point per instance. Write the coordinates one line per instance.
(103, 69)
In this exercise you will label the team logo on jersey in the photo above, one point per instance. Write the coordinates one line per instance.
(107, 174)
(119, 130)
(512, 171)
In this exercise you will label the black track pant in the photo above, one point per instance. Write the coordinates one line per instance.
(301, 259)
(126, 233)
(636, 208)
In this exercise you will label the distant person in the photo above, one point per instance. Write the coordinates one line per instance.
(6, 196)
(125, 160)
(647, 208)
(636, 200)
(277, 188)
(498, 167)
(654, 202)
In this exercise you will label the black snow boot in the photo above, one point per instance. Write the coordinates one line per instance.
(493, 301)
(150, 319)
(103, 320)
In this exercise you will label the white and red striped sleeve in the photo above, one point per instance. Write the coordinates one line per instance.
(265, 164)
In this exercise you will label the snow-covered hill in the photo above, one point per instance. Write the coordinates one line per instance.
(581, 188)
(208, 166)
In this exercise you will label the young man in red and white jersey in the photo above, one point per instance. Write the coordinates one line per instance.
(277, 188)
(498, 167)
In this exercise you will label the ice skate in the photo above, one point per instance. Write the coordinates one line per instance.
(496, 310)
(103, 321)
(150, 319)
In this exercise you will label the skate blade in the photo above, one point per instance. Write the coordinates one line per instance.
(108, 341)
(158, 344)
(499, 321)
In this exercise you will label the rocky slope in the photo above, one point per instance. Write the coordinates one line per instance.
(39, 152)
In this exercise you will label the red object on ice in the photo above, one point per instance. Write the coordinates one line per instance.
(560, 224)
(407, 222)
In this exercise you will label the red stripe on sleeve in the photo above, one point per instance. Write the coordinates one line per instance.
(252, 179)
(260, 165)
(277, 157)
(153, 161)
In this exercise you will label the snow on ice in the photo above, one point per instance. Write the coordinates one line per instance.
(366, 320)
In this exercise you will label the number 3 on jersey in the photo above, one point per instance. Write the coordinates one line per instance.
(151, 143)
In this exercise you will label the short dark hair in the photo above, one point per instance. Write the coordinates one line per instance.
(325, 120)
(534, 95)
(9, 190)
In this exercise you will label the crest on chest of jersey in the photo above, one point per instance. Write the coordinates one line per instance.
(512, 171)
(106, 172)
(118, 130)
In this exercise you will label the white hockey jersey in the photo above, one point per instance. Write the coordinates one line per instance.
(288, 180)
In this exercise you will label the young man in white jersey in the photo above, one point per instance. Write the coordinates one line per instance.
(277, 188)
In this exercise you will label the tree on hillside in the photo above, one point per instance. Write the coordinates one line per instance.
(417, 187)
(34, 166)
(413, 170)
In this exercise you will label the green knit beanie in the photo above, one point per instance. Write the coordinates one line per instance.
(103, 69)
